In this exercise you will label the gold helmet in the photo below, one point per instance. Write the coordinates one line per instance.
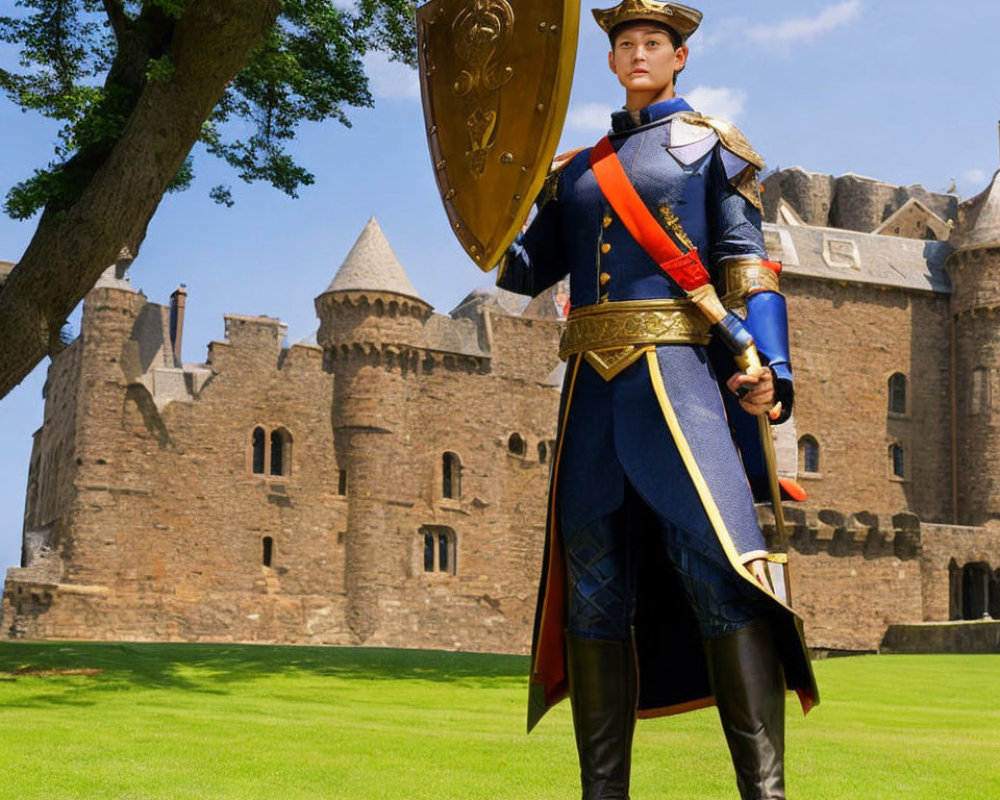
(683, 19)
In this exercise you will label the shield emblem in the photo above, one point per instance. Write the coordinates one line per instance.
(495, 78)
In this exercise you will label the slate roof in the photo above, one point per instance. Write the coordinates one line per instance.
(866, 258)
(490, 296)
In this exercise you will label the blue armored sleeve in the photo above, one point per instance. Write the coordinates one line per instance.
(534, 261)
(734, 223)
(737, 265)
(767, 321)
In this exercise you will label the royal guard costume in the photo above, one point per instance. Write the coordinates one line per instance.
(646, 605)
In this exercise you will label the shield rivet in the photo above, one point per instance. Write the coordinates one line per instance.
(542, 26)
(507, 158)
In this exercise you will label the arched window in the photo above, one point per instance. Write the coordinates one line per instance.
(259, 444)
(440, 549)
(268, 550)
(543, 452)
(281, 452)
(516, 445)
(897, 460)
(976, 580)
(808, 454)
(979, 402)
(451, 476)
(270, 453)
(897, 393)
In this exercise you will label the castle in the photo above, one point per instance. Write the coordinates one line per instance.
(386, 484)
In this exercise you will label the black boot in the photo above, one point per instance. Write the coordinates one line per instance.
(749, 688)
(603, 690)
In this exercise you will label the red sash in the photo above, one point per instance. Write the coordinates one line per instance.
(685, 268)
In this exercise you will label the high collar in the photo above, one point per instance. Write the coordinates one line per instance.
(621, 121)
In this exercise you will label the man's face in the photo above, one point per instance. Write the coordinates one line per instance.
(644, 59)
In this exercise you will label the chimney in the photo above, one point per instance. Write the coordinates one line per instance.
(177, 301)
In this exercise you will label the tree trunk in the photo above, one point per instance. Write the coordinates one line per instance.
(69, 251)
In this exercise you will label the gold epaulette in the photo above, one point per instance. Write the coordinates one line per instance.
(729, 136)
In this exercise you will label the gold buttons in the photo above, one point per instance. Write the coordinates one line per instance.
(606, 222)
(605, 278)
(605, 248)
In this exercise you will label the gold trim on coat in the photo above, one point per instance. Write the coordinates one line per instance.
(701, 485)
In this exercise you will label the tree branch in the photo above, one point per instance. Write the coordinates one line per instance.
(117, 17)
(70, 250)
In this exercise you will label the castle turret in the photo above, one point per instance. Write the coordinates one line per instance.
(370, 304)
(974, 267)
(372, 331)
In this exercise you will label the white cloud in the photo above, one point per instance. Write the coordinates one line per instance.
(390, 80)
(717, 101)
(589, 117)
(976, 177)
(804, 29)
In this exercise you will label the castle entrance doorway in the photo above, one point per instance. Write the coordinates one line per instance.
(979, 588)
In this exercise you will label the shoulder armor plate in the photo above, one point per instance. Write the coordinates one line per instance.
(729, 136)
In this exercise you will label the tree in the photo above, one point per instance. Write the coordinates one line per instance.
(135, 84)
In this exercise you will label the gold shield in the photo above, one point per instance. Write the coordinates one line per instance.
(495, 77)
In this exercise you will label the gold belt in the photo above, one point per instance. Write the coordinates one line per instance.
(613, 335)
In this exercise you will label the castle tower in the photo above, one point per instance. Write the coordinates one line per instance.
(71, 453)
(372, 332)
(974, 267)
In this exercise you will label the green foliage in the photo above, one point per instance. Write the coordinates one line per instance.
(173, 8)
(223, 195)
(160, 70)
(85, 63)
(184, 177)
(229, 722)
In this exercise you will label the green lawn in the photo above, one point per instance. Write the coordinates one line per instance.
(297, 723)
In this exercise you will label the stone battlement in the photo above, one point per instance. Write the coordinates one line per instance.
(853, 202)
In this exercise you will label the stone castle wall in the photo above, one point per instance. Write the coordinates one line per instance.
(847, 340)
(148, 519)
(167, 520)
(976, 307)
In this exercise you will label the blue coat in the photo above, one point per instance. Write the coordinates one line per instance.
(663, 423)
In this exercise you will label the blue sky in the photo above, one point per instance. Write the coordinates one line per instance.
(905, 91)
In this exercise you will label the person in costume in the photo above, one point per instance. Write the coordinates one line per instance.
(654, 597)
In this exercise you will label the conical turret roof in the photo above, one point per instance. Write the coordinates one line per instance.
(979, 219)
(372, 266)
